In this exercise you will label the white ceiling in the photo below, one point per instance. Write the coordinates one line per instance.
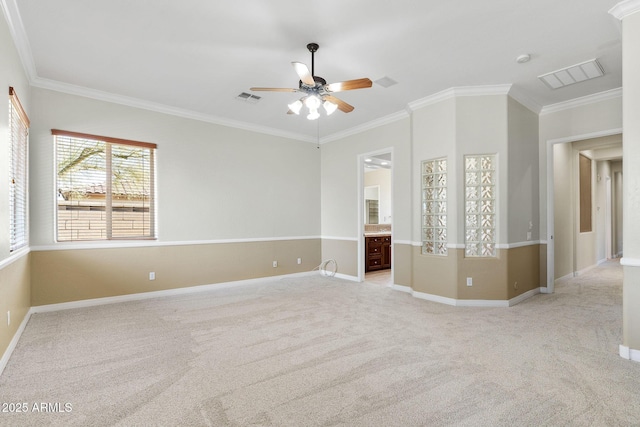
(194, 57)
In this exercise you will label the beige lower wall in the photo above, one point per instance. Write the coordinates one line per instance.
(543, 265)
(435, 274)
(59, 276)
(489, 276)
(523, 267)
(492, 278)
(402, 264)
(495, 278)
(15, 296)
(344, 252)
(446, 276)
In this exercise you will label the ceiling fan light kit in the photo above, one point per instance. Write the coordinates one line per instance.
(317, 91)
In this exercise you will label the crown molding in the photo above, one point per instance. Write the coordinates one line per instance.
(459, 91)
(19, 35)
(625, 8)
(403, 114)
(520, 96)
(582, 101)
(161, 108)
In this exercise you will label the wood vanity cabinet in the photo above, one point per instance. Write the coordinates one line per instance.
(377, 252)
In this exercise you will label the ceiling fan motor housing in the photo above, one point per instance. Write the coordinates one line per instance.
(320, 82)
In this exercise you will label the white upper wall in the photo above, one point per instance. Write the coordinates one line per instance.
(213, 182)
(482, 128)
(582, 121)
(340, 180)
(523, 182)
(433, 138)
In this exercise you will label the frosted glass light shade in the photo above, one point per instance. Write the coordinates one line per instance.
(329, 107)
(295, 107)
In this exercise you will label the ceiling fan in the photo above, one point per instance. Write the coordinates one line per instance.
(316, 90)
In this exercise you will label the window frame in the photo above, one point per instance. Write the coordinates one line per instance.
(109, 142)
(18, 222)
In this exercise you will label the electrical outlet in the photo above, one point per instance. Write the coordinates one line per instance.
(515, 285)
(528, 235)
(299, 260)
(275, 264)
(152, 275)
(469, 281)
(8, 318)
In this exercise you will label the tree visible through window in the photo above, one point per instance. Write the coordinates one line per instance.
(105, 188)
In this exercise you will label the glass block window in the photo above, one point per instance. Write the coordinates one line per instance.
(434, 207)
(480, 206)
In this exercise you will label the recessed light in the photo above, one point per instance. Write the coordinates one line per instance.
(384, 163)
(367, 160)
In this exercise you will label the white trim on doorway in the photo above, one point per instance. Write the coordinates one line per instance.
(360, 201)
(550, 193)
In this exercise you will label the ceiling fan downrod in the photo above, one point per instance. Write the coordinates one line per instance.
(313, 48)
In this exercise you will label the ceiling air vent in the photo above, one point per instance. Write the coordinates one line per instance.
(386, 82)
(573, 74)
(247, 97)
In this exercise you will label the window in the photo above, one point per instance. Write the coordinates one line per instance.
(480, 206)
(585, 194)
(105, 188)
(18, 172)
(434, 207)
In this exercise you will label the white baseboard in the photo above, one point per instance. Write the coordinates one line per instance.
(401, 288)
(629, 353)
(346, 277)
(565, 277)
(466, 302)
(14, 342)
(517, 300)
(157, 294)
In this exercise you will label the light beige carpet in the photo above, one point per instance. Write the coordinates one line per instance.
(319, 351)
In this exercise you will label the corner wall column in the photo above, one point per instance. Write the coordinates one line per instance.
(629, 13)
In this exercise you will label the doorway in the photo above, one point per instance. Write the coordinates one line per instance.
(375, 217)
(582, 231)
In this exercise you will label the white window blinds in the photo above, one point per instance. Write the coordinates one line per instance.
(105, 187)
(19, 173)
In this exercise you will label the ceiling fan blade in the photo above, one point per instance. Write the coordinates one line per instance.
(273, 89)
(349, 85)
(342, 106)
(304, 73)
